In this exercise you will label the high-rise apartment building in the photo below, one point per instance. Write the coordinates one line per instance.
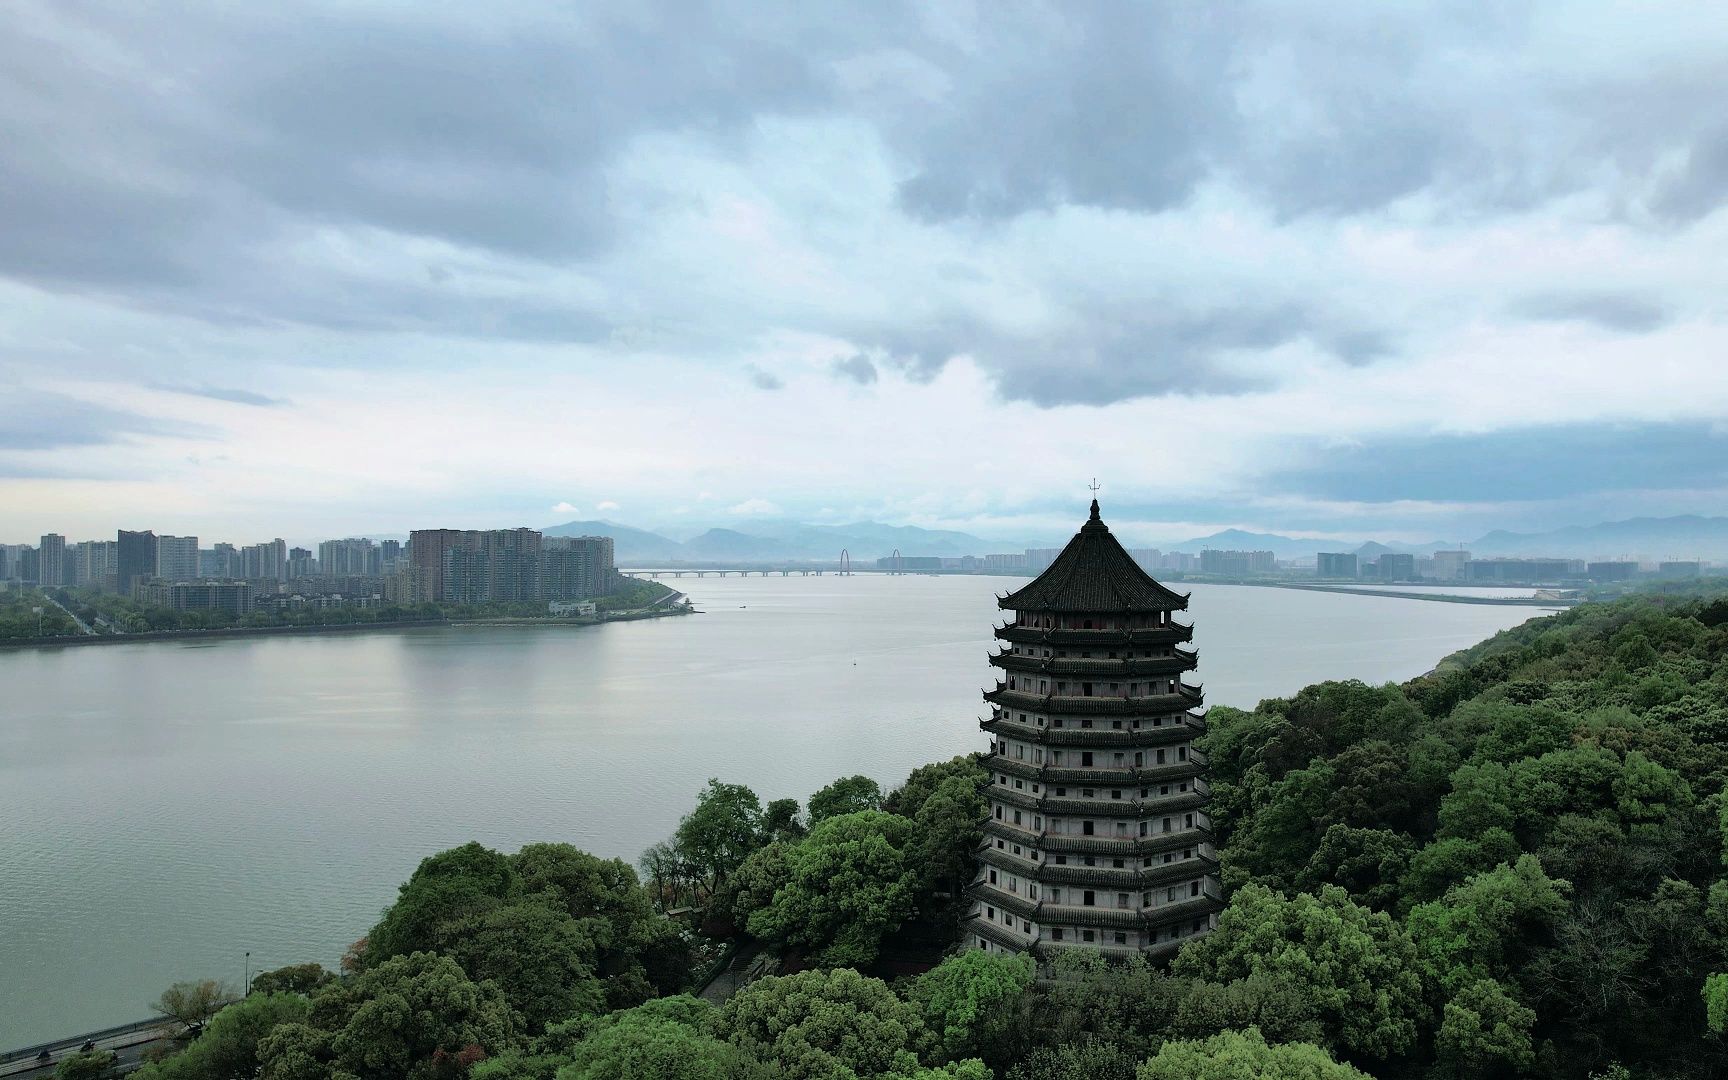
(177, 558)
(301, 563)
(426, 557)
(97, 564)
(1335, 564)
(136, 559)
(1451, 565)
(265, 562)
(576, 567)
(353, 557)
(52, 570)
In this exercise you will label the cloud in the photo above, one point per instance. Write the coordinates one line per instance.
(753, 508)
(1625, 313)
(221, 393)
(566, 508)
(606, 504)
(763, 380)
(38, 420)
(857, 367)
(1532, 463)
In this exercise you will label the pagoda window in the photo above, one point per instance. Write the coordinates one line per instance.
(1020, 751)
(1139, 758)
(1160, 756)
(1017, 818)
(1016, 849)
(1117, 863)
(1086, 759)
(1145, 899)
(1019, 785)
(1169, 895)
(1116, 758)
(998, 811)
(989, 912)
(1142, 828)
(1121, 828)
(1116, 793)
(1181, 753)
(1088, 625)
(1086, 793)
(1089, 898)
(1167, 823)
(1001, 778)
(1090, 860)
(1086, 721)
(1035, 786)
(1025, 926)
(1043, 686)
(1087, 935)
(1188, 853)
(1188, 821)
(1061, 860)
(1038, 822)
(1086, 827)
(1055, 896)
(1086, 689)
(1121, 899)
(1056, 933)
(1193, 888)
(1121, 938)
(1038, 757)
(1116, 725)
(1164, 789)
(992, 877)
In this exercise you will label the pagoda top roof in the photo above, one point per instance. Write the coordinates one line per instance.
(1094, 573)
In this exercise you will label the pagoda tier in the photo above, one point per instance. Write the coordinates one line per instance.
(1098, 836)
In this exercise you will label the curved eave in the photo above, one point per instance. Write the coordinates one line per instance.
(1066, 705)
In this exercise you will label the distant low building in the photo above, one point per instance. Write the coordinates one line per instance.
(1525, 571)
(1611, 571)
(909, 562)
(1005, 562)
(233, 597)
(1236, 563)
(571, 607)
(1451, 566)
(1680, 568)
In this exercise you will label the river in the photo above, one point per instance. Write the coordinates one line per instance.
(167, 807)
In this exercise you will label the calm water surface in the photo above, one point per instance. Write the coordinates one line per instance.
(166, 807)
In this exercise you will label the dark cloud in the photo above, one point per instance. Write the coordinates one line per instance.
(763, 380)
(37, 420)
(858, 368)
(1533, 463)
(222, 393)
(1112, 353)
(1626, 313)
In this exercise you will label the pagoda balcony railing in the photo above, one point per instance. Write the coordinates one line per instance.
(1186, 697)
(1049, 950)
(1151, 806)
(1101, 775)
(1048, 842)
(1149, 635)
(996, 932)
(1112, 877)
(1073, 737)
(1100, 666)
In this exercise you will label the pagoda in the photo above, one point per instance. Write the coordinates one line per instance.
(1097, 836)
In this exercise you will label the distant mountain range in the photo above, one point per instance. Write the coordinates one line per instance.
(1683, 537)
(791, 541)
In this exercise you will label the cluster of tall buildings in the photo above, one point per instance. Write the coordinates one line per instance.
(1459, 566)
(477, 566)
(459, 566)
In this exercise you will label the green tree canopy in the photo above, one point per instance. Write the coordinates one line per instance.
(406, 1018)
(847, 884)
(973, 1002)
(721, 832)
(228, 1046)
(847, 795)
(303, 979)
(1485, 1031)
(826, 1025)
(1358, 966)
(1244, 1055)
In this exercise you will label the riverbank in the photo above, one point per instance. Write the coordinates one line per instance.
(1551, 603)
(330, 628)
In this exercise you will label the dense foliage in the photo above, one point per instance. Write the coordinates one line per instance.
(1513, 866)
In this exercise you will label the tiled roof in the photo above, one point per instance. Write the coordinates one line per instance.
(1094, 574)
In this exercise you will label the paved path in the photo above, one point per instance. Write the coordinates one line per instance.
(81, 623)
(128, 1043)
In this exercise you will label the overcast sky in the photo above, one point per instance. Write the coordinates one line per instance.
(1402, 271)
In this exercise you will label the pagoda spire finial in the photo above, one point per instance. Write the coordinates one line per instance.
(1094, 519)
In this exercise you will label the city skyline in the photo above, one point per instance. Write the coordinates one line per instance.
(1413, 273)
